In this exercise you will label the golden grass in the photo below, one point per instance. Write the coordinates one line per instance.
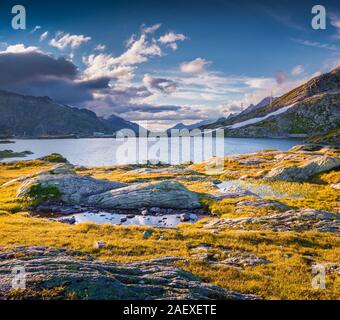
(291, 254)
(287, 277)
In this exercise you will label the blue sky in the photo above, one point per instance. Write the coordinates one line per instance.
(166, 61)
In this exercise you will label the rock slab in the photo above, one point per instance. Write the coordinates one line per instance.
(85, 278)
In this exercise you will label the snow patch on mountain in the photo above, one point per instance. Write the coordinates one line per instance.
(260, 119)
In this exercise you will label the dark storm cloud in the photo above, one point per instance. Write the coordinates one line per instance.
(165, 86)
(38, 74)
(26, 66)
(145, 108)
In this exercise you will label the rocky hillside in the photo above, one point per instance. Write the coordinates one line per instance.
(315, 109)
(26, 116)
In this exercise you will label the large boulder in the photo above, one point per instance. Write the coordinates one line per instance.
(73, 189)
(302, 173)
(82, 277)
(165, 194)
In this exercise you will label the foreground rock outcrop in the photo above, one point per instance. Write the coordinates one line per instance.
(300, 220)
(82, 277)
(165, 194)
(74, 189)
(64, 185)
(304, 172)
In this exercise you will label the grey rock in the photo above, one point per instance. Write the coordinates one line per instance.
(165, 194)
(233, 192)
(302, 173)
(74, 189)
(185, 217)
(86, 278)
(71, 220)
(264, 204)
(146, 213)
(227, 257)
(293, 220)
(99, 244)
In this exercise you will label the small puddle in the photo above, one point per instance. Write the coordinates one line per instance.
(163, 221)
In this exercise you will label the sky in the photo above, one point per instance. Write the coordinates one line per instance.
(165, 62)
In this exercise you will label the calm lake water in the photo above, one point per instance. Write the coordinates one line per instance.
(107, 152)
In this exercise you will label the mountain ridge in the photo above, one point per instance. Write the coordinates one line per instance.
(314, 109)
(33, 117)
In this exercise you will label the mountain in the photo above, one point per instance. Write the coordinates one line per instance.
(27, 116)
(181, 126)
(115, 123)
(310, 109)
(261, 104)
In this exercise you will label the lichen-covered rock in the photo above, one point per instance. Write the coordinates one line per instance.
(306, 148)
(293, 220)
(74, 189)
(83, 277)
(233, 192)
(302, 173)
(261, 203)
(226, 256)
(165, 194)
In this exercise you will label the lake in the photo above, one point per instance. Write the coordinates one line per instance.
(108, 152)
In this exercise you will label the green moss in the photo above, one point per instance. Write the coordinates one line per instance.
(54, 158)
(38, 194)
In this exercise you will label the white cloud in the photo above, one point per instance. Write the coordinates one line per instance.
(36, 28)
(62, 41)
(100, 47)
(43, 36)
(316, 44)
(130, 41)
(138, 52)
(20, 48)
(335, 22)
(196, 66)
(172, 37)
(122, 67)
(103, 65)
(151, 29)
(297, 70)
